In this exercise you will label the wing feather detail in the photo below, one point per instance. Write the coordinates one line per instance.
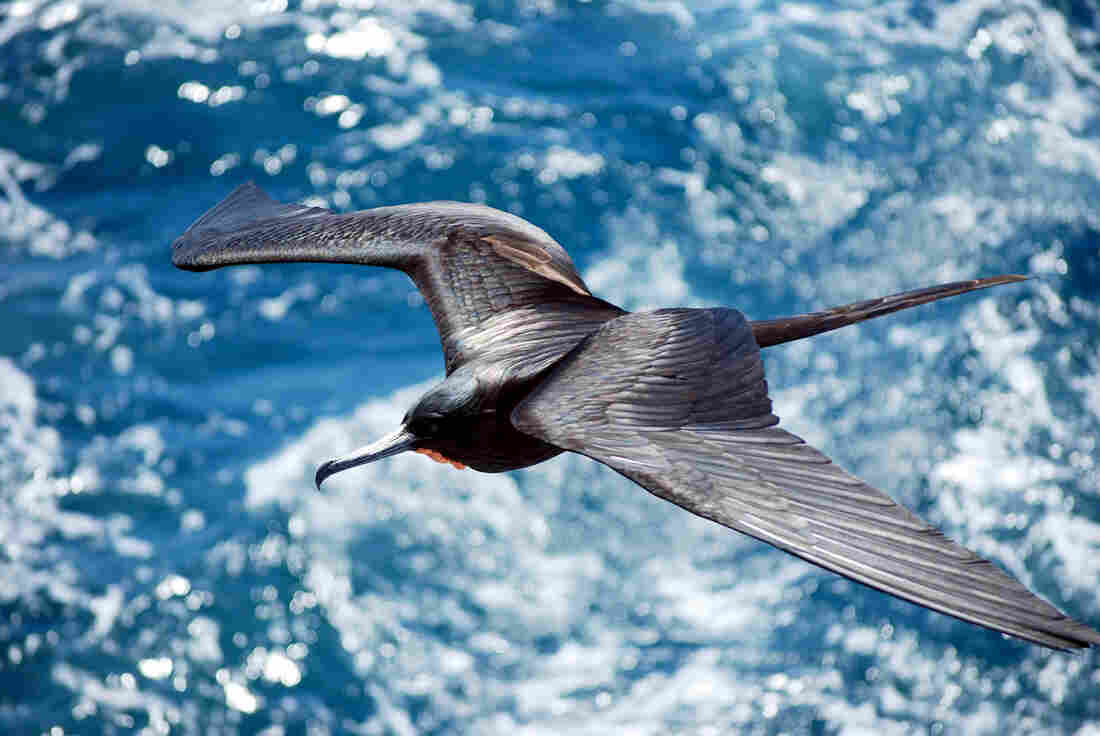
(477, 267)
(676, 400)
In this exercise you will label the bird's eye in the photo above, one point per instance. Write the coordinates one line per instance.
(425, 427)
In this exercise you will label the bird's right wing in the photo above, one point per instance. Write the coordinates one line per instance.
(484, 273)
(676, 400)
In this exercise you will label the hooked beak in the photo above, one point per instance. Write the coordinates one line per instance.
(391, 444)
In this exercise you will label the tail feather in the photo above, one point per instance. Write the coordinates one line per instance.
(777, 331)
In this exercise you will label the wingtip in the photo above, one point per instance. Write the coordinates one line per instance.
(198, 249)
(1085, 636)
(188, 254)
(183, 257)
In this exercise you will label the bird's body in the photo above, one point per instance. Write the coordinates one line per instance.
(673, 399)
(481, 435)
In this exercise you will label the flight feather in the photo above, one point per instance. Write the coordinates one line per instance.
(676, 400)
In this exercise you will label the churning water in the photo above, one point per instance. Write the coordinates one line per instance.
(165, 563)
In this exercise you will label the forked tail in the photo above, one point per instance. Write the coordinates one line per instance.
(776, 331)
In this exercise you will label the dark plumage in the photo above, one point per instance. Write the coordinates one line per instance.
(674, 399)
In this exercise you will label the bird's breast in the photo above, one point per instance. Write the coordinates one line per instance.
(493, 445)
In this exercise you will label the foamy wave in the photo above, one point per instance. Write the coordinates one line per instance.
(827, 198)
(642, 269)
(30, 455)
(25, 224)
(34, 467)
(38, 535)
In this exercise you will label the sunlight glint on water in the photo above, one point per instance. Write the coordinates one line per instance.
(167, 567)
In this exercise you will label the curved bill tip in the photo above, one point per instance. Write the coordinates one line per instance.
(324, 471)
(391, 444)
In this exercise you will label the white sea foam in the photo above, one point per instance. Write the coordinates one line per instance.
(636, 274)
(28, 225)
(31, 466)
(821, 195)
(118, 694)
(29, 455)
(34, 528)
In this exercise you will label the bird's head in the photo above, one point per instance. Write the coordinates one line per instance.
(435, 426)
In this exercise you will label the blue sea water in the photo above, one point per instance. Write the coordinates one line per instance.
(165, 563)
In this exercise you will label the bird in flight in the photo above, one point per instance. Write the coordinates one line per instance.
(674, 399)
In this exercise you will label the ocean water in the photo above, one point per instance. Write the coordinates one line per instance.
(166, 566)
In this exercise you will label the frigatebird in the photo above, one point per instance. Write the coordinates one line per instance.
(674, 399)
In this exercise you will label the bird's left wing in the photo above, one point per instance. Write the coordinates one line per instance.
(676, 400)
(485, 274)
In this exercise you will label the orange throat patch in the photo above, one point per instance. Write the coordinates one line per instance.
(438, 457)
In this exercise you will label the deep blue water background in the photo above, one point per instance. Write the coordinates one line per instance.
(167, 567)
